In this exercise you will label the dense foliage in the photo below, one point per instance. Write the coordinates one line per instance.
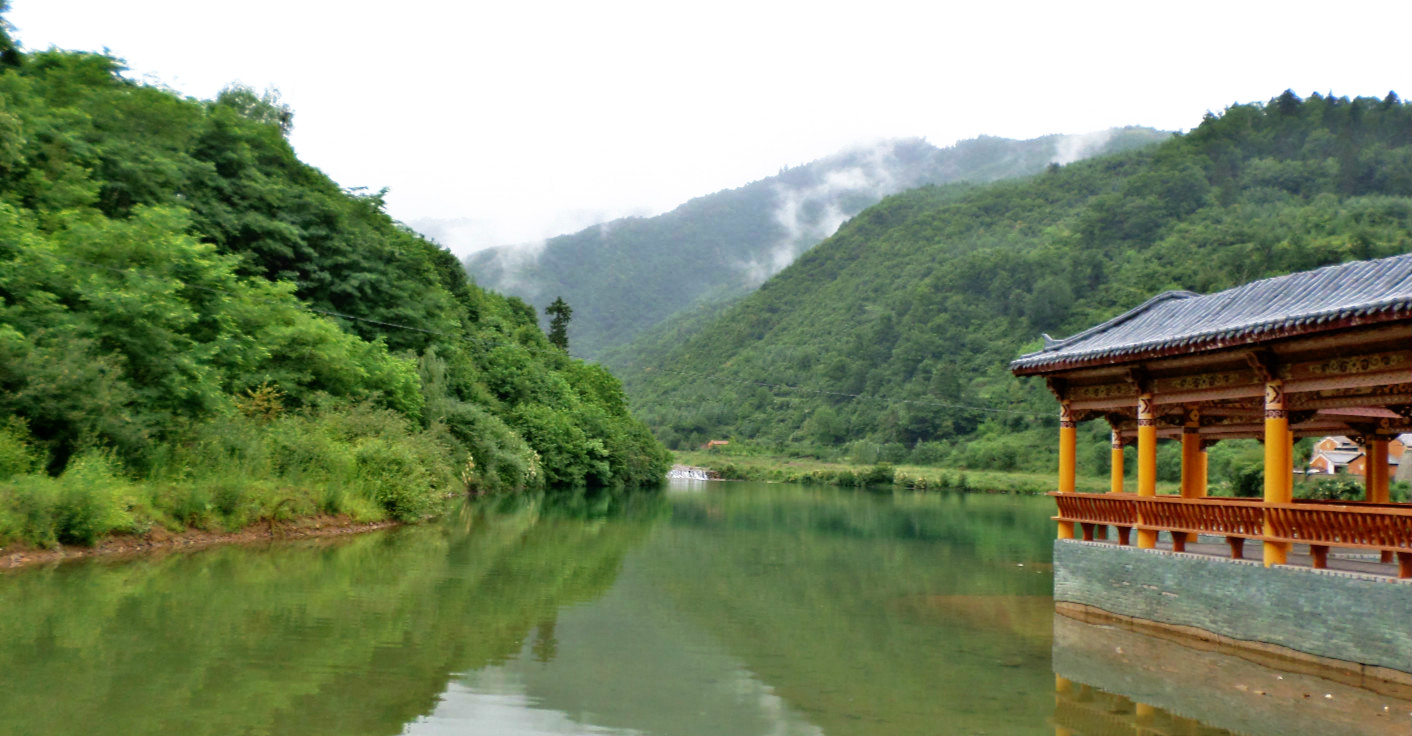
(896, 332)
(182, 300)
(629, 275)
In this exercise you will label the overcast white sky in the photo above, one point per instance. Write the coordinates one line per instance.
(510, 121)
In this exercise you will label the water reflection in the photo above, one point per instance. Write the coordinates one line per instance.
(355, 636)
(784, 610)
(737, 609)
(1112, 680)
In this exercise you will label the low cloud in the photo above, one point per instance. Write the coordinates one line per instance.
(467, 235)
(509, 266)
(463, 235)
(1071, 148)
(811, 212)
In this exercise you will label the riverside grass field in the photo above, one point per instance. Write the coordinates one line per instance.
(807, 471)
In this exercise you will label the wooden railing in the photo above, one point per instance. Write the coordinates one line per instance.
(1342, 526)
(1229, 519)
(1321, 525)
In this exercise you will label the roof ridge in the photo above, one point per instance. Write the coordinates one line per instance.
(1360, 290)
(1051, 344)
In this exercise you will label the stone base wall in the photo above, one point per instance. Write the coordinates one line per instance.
(1362, 620)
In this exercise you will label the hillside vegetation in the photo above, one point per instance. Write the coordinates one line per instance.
(894, 335)
(196, 328)
(629, 275)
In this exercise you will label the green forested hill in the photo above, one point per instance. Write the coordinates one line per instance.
(211, 331)
(629, 275)
(917, 305)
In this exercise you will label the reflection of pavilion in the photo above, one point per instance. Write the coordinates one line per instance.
(1326, 352)
(1116, 681)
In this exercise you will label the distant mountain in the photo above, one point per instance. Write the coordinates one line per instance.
(625, 276)
(894, 334)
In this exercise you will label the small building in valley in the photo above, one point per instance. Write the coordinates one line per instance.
(1339, 454)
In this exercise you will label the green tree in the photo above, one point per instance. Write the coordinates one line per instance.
(9, 51)
(559, 313)
(162, 257)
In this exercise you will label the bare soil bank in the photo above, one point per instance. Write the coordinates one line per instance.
(161, 540)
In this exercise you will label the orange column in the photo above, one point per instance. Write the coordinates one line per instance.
(1144, 715)
(1377, 478)
(1068, 448)
(1068, 452)
(1062, 687)
(1146, 462)
(1191, 455)
(1377, 472)
(1204, 475)
(1277, 464)
(1115, 474)
(1369, 482)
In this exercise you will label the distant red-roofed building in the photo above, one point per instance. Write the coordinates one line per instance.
(1339, 454)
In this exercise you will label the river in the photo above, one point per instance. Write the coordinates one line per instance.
(734, 609)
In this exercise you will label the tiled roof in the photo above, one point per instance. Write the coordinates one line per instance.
(1362, 291)
(1338, 457)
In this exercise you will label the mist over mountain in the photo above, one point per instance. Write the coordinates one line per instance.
(629, 275)
(893, 336)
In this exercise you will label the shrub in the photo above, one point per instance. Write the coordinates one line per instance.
(928, 453)
(89, 501)
(390, 475)
(17, 454)
(892, 452)
(880, 474)
(992, 453)
(94, 499)
(1331, 488)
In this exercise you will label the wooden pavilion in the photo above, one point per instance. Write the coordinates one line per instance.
(1324, 352)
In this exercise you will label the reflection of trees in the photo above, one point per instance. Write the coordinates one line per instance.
(874, 616)
(995, 528)
(357, 636)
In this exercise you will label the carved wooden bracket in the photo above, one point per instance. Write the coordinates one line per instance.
(1264, 363)
(1171, 420)
(1083, 415)
(1138, 378)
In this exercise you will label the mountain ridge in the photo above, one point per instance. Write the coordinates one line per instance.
(630, 274)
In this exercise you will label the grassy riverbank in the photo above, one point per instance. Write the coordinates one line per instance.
(340, 469)
(356, 462)
(919, 477)
(922, 477)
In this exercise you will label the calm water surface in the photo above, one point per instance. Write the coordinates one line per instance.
(735, 609)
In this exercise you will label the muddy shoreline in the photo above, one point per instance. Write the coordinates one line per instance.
(161, 541)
